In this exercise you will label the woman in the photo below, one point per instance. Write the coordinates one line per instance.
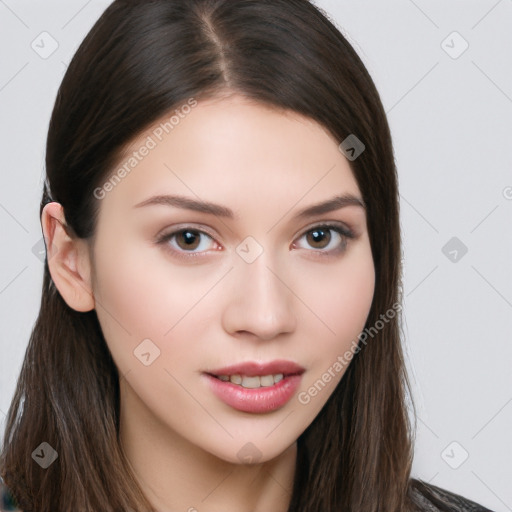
(219, 324)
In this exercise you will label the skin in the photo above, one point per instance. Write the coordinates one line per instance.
(292, 302)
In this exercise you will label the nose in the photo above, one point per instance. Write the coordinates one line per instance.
(260, 303)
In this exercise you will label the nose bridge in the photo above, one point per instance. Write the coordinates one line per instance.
(261, 303)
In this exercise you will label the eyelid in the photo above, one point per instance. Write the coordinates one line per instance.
(345, 233)
(200, 228)
(344, 230)
(166, 235)
(203, 228)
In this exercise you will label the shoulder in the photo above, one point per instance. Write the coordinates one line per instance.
(431, 498)
(7, 502)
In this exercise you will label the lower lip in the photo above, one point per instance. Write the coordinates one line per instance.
(258, 400)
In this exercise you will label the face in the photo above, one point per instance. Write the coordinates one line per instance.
(223, 270)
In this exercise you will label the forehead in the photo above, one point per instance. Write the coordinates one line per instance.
(232, 151)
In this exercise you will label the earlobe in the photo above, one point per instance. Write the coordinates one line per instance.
(68, 259)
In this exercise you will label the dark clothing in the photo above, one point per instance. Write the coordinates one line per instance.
(429, 498)
(7, 503)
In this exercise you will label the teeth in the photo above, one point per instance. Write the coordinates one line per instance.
(236, 379)
(267, 380)
(253, 382)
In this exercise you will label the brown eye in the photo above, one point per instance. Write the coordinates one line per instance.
(187, 242)
(319, 238)
(188, 239)
(327, 239)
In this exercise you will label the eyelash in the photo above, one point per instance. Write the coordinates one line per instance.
(344, 233)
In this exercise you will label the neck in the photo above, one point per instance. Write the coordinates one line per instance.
(177, 475)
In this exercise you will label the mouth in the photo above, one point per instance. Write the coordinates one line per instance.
(255, 387)
(254, 374)
(254, 382)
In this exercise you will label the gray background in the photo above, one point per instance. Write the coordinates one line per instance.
(450, 113)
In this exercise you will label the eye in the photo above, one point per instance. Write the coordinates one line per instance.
(186, 240)
(328, 238)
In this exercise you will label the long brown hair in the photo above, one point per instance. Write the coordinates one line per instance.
(141, 60)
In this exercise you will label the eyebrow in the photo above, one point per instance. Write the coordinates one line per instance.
(335, 203)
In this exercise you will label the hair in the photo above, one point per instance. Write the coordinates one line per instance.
(141, 60)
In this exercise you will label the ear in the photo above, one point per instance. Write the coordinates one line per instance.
(68, 259)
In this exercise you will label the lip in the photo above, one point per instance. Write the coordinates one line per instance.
(254, 368)
(256, 400)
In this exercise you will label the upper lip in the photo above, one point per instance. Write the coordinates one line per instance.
(255, 368)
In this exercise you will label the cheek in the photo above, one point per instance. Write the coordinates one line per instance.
(339, 302)
(140, 295)
(351, 297)
(341, 296)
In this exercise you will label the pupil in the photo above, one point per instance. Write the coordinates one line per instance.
(317, 236)
(190, 238)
